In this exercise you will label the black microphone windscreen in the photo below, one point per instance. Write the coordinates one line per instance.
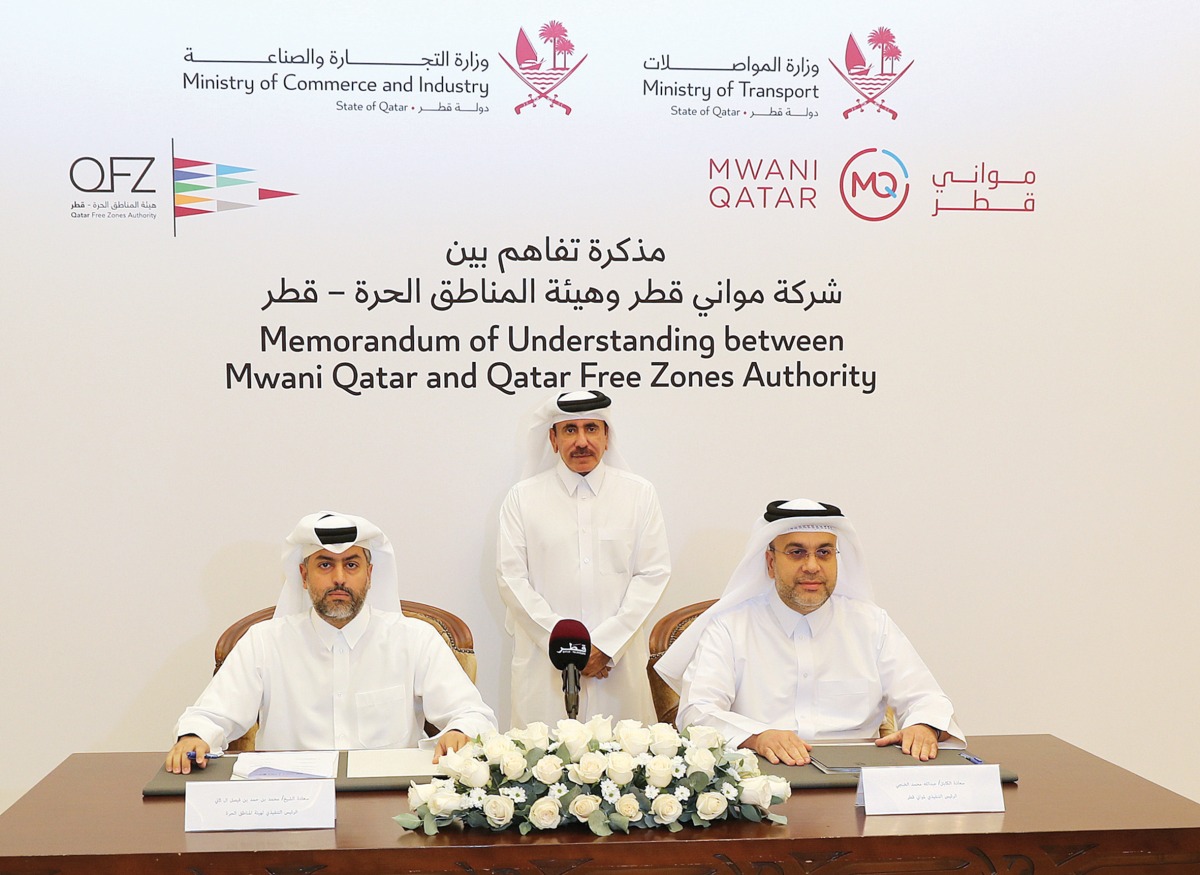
(570, 644)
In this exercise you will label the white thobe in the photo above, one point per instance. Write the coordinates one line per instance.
(312, 686)
(588, 548)
(828, 675)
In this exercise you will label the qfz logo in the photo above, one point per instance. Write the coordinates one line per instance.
(94, 176)
(871, 188)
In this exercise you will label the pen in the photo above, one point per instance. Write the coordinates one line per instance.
(211, 755)
(971, 759)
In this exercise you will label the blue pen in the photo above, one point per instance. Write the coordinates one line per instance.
(211, 755)
(971, 759)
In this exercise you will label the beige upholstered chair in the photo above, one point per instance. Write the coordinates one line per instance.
(663, 635)
(453, 630)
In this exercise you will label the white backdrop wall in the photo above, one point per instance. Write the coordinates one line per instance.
(1022, 470)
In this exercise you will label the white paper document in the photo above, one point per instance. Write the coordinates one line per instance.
(251, 805)
(274, 764)
(408, 762)
(930, 789)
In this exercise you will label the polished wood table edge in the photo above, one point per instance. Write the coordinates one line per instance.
(1126, 825)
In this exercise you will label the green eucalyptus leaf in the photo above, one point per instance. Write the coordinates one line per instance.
(598, 823)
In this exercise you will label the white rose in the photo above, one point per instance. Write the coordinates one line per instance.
(545, 813)
(548, 769)
(574, 736)
(664, 740)
(756, 791)
(780, 787)
(444, 801)
(452, 762)
(583, 806)
(589, 769)
(512, 765)
(711, 805)
(496, 746)
(620, 767)
(535, 736)
(601, 729)
(700, 759)
(417, 794)
(499, 811)
(745, 763)
(659, 771)
(633, 737)
(475, 773)
(666, 808)
(627, 806)
(705, 736)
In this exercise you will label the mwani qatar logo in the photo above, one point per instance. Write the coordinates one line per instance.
(869, 83)
(544, 81)
(874, 184)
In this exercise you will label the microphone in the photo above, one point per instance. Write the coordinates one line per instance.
(570, 646)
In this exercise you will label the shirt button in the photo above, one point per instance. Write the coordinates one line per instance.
(587, 561)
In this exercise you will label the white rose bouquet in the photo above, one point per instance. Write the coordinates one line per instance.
(612, 778)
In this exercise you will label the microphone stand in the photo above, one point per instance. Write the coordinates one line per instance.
(571, 690)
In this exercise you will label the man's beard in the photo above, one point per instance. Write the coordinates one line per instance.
(339, 610)
(801, 601)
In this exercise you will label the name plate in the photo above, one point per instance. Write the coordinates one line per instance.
(247, 805)
(930, 789)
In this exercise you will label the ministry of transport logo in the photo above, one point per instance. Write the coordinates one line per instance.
(870, 83)
(544, 81)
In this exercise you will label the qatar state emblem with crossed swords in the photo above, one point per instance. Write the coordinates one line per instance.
(544, 82)
(859, 75)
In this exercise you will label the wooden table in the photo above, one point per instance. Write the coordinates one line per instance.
(1071, 812)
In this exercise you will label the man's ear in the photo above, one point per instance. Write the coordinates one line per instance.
(554, 438)
(304, 574)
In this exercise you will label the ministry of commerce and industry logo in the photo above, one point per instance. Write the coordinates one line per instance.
(544, 81)
(869, 83)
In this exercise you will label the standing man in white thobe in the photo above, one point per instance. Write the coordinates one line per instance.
(580, 538)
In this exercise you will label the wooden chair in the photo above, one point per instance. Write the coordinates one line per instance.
(453, 630)
(663, 635)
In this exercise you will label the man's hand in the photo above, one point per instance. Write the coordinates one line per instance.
(780, 746)
(177, 757)
(451, 740)
(597, 664)
(918, 740)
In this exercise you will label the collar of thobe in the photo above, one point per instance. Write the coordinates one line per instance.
(572, 481)
(792, 622)
(352, 632)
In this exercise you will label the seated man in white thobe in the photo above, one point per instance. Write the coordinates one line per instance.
(339, 667)
(796, 651)
(580, 538)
